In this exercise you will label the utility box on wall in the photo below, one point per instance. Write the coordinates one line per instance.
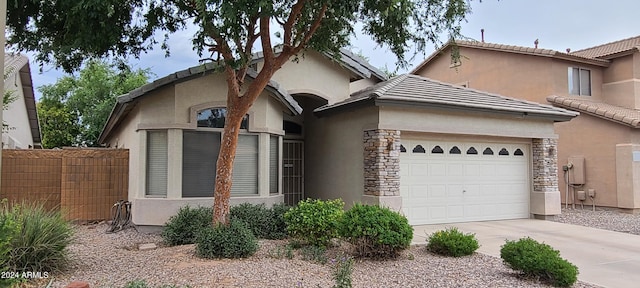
(576, 172)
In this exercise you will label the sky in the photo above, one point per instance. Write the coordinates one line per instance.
(557, 24)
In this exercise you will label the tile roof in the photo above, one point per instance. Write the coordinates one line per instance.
(621, 115)
(126, 102)
(514, 49)
(418, 91)
(609, 49)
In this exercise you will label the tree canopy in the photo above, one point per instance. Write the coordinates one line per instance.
(63, 32)
(73, 111)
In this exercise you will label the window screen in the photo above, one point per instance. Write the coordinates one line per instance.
(156, 182)
(199, 155)
(245, 166)
(273, 164)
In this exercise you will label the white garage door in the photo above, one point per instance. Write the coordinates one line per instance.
(449, 181)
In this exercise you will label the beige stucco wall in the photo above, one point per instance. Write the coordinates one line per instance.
(509, 74)
(621, 84)
(334, 153)
(628, 182)
(16, 116)
(173, 108)
(467, 123)
(515, 75)
(316, 75)
(594, 139)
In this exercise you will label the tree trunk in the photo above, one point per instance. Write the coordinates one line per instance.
(224, 166)
(237, 107)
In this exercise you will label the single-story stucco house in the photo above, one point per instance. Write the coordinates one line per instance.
(337, 128)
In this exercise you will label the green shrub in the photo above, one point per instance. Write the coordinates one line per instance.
(8, 229)
(539, 260)
(40, 243)
(452, 242)
(222, 241)
(183, 227)
(265, 223)
(375, 231)
(277, 226)
(314, 221)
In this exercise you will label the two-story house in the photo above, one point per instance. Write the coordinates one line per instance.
(599, 151)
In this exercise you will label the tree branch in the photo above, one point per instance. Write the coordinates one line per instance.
(265, 37)
(296, 10)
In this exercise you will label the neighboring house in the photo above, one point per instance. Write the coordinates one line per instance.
(327, 128)
(601, 147)
(21, 117)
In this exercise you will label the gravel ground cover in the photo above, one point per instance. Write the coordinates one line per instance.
(601, 218)
(111, 260)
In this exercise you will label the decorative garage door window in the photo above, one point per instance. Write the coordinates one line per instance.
(457, 149)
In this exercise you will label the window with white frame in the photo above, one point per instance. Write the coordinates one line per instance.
(156, 176)
(200, 151)
(274, 161)
(579, 81)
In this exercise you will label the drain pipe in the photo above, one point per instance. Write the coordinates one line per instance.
(565, 169)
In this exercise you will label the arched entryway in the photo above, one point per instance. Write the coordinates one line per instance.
(300, 131)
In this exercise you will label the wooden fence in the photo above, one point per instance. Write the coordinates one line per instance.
(83, 182)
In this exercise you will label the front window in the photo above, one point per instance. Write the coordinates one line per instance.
(274, 160)
(156, 182)
(200, 154)
(579, 81)
(215, 117)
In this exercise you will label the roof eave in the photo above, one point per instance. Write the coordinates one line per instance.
(556, 117)
(30, 102)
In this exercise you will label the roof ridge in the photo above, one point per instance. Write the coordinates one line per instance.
(605, 44)
(393, 82)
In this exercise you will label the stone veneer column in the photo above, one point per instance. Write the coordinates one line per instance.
(382, 168)
(545, 198)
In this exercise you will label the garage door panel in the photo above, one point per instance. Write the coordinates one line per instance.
(495, 186)
(455, 169)
(437, 169)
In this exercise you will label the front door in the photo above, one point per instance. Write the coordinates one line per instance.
(293, 171)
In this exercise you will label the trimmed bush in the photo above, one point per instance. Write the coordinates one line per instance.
(451, 242)
(40, 243)
(314, 221)
(183, 227)
(539, 260)
(375, 231)
(221, 241)
(265, 223)
(277, 226)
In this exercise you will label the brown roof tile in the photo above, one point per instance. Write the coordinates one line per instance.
(625, 116)
(423, 92)
(608, 49)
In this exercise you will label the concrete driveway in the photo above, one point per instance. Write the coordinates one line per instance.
(605, 258)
